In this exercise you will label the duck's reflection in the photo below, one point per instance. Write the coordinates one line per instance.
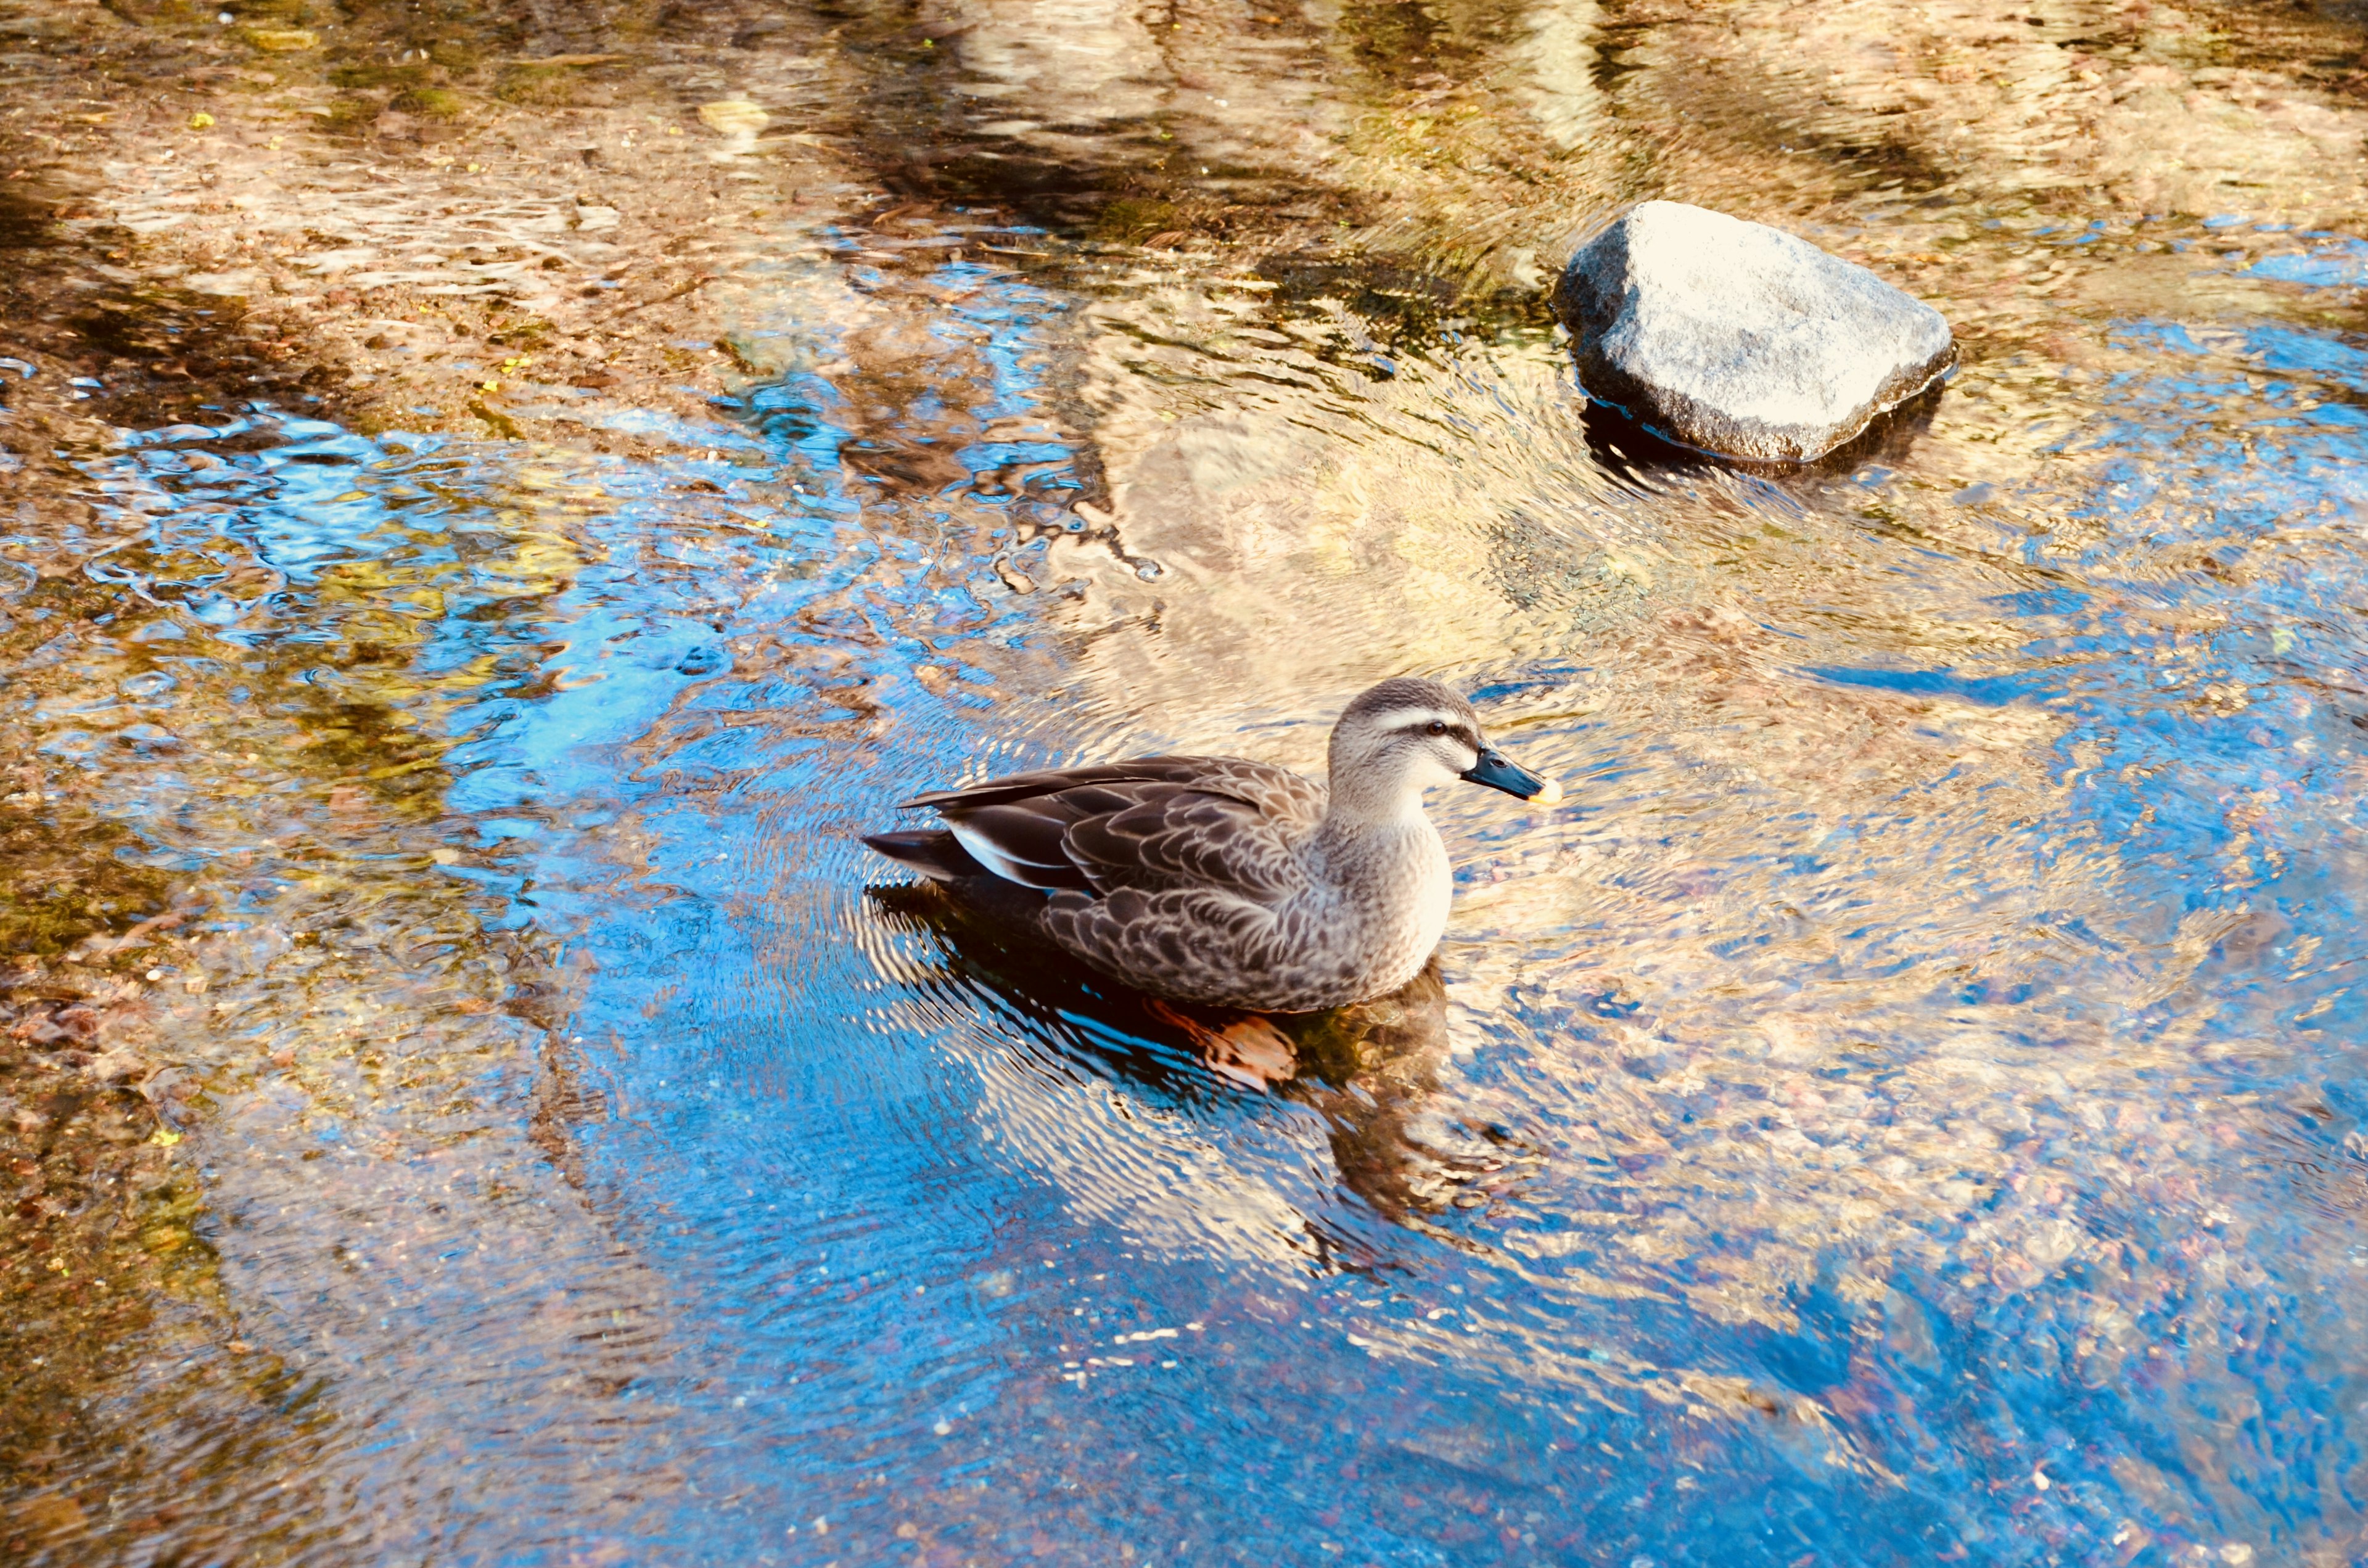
(1370, 1070)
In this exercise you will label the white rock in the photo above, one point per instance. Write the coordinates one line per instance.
(1740, 339)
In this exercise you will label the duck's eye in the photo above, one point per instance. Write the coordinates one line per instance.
(1437, 727)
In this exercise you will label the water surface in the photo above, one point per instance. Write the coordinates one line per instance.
(1908, 1103)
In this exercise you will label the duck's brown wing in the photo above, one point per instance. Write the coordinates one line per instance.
(1275, 790)
(1184, 894)
(1182, 836)
(1222, 824)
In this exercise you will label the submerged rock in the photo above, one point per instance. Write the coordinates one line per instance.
(1740, 339)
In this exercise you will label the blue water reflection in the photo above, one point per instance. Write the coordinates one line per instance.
(2050, 1254)
(2343, 264)
(920, 1269)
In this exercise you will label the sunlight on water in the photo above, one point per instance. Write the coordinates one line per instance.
(1908, 1104)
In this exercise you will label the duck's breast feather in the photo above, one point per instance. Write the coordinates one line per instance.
(1195, 943)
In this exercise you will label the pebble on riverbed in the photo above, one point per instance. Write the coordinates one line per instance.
(1740, 339)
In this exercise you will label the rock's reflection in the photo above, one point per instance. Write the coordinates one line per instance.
(1627, 449)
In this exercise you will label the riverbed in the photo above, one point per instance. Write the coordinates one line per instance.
(502, 496)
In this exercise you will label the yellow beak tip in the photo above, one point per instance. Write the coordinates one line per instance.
(1549, 795)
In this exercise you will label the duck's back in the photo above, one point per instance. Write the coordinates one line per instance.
(1290, 802)
(1172, 873)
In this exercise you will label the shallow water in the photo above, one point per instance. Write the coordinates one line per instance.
(1909, 1104)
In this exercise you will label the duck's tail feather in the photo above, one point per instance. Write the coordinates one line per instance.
(932, 852)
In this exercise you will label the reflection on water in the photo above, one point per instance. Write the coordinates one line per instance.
(1909, 1104)
(1370, 1070)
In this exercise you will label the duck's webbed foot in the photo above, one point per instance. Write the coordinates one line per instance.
(1249, 1050)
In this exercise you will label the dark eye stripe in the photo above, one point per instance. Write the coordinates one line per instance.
(1422, 727)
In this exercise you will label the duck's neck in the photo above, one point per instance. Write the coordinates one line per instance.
(1369, 825)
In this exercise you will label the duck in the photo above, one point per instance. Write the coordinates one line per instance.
(1223, 882)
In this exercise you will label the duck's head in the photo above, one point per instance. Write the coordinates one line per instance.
(1405, 735)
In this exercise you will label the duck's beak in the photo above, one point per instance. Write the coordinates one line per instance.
(1500, 772)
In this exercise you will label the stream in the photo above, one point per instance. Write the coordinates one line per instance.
(1908, 1104)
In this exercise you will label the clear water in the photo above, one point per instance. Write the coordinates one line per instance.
(1909, 1104)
